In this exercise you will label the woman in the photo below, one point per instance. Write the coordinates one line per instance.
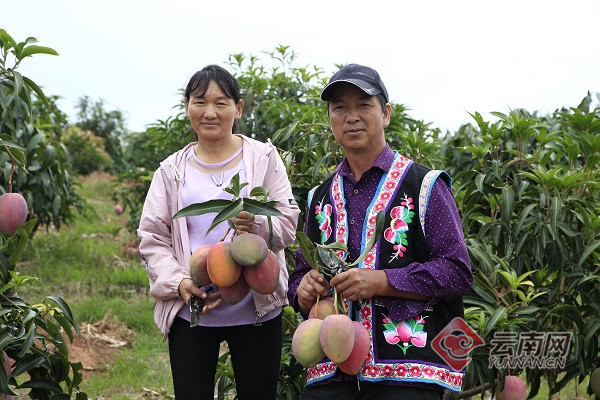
(199, 172)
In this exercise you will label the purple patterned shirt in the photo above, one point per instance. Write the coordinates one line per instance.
(447, 273)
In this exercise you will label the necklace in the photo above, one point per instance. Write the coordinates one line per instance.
(219, 164)
(220, 182)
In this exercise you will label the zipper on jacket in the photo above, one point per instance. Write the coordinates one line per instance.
(257, 322)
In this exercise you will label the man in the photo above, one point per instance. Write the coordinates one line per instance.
(412, 281)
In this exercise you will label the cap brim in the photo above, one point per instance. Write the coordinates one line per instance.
(362, 85)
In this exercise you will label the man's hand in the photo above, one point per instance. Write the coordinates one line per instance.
(211, 301)
(312, 283)
(359, 283)
(243, 222)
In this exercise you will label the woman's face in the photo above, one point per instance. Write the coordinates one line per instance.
(212, 115)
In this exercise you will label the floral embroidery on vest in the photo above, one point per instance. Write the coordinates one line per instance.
(405, 334)
(382, 198)
(396, 233)
(341, 223)
(323, 215)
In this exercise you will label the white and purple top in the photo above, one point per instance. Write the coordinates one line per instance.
(198, 187)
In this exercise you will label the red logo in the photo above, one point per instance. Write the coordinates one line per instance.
(455, 342)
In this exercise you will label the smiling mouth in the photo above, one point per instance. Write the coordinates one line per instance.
(355, 131)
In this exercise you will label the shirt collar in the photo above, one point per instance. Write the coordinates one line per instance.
(383, 162)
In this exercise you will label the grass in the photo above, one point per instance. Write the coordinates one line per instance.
(86, 265)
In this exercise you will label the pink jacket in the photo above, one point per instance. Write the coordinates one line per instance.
(164, 243)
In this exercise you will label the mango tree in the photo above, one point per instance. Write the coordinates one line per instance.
(32, 343)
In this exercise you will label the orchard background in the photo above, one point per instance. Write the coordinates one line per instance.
(526, 186)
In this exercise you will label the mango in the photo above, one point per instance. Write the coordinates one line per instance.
(322, 309)
(249, 249)
(222, 268)
(306, 346)
(235, 293)
(514, 389)
(264, 277)
(118, 209)
(337, 337)
(595, 381)
(13, 212)
(198, 265)
(360, 350)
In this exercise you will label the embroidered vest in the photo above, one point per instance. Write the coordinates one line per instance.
(400, 350)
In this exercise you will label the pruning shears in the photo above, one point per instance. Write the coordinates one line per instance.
(332, 265)
(196, 306)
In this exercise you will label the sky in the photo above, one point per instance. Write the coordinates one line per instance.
(442, 59)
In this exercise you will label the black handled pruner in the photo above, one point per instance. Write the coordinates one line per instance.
(196, 305)
(332, 265)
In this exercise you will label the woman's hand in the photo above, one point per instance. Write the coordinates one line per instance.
(243, 222)
(211, 301)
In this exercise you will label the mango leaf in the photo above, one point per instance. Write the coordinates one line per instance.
(235, 187)
(522, 218)
(209, 206)
(29, 338)
(508, 205)
(10, 143)
(5, 339)
(228, 212)
(556, 209)
(28, 363)
(18, 242)
(379, 221)
(64, 309)
(67, 327)
(33, 86)
(589, 249)
(260, 208)
(498, 314)
(309, 251)
(35, 49)
(41, 384)
(335, 246)
(259, 191)
(271, 238)
(6, 41)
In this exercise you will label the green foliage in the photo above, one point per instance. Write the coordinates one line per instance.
(43, 176)
(108, 125)
(86, 149)
(32, 335)
(526, 187)
(529, 207)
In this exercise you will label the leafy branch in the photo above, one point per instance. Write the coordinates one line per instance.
(257, 203)
(325, 260)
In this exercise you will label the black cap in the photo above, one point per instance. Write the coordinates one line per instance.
(365, 78)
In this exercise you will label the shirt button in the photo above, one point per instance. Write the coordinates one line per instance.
(355, 191)
(352, 222)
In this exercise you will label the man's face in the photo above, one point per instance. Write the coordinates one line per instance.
(357, 119)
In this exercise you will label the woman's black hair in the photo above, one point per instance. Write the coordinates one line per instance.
(198, 84)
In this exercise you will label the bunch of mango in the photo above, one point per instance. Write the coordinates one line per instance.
(236, 267)
(328, 334)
